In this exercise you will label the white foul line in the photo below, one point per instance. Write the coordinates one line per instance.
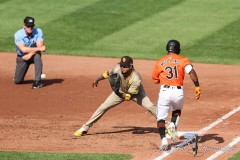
(203, 130)
(235, 141)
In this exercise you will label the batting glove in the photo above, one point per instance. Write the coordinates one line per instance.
(198, 92)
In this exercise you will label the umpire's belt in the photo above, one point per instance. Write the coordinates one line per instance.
(178, 87)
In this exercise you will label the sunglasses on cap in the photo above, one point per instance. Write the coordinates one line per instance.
(125, 66)
(29, 26)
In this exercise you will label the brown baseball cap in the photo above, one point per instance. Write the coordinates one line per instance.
(126, 60)
(29, 21)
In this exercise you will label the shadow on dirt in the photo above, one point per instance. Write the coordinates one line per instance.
(133, 129)
(49, 82)
(27, 81)
(208, 137)
(46, 82)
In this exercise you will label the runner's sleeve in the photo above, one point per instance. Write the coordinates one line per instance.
(186, 61)
(156, 73)
(188, 68)
(187, 65)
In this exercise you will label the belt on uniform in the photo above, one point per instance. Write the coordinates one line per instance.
(178, 87)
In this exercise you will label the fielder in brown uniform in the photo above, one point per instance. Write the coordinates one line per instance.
(130, 88)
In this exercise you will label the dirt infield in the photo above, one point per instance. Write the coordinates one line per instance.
(45, 119)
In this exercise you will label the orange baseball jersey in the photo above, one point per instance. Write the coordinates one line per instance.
(169, 70)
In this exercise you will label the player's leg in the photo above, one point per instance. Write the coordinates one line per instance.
(37, 60)
(110, 102)
(172, 126)
(177, 105)
(176, 117)
(162, 114)
(146, 103)
(163, 108)
(21, 70)
(38, 66)
(142, 99)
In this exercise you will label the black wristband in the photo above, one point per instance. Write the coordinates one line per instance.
(196, 84)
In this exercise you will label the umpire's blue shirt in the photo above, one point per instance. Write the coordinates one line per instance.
(20, 37)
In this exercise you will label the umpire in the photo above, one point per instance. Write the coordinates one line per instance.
(29, 45)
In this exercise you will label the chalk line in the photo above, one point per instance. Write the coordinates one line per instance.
(221, 151)
(204, 130)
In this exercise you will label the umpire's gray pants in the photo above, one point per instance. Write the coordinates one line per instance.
(22, 68)
(114, 100)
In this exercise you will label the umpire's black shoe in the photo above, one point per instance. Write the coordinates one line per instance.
(37, 85)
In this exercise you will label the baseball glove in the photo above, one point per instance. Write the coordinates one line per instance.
(114, 81)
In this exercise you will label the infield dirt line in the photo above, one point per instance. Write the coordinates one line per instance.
(204, 130)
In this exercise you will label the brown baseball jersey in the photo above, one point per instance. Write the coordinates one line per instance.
(132, 85)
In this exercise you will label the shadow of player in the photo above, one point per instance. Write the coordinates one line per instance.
(48, 82)
(132, 129)
(208, 137)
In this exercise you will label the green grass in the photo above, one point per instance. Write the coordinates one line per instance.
(208, 30)
(222, 46)
(14, 155)
(93, 23)
(235, 156)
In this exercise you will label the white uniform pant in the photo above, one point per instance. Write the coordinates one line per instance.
(171, 97)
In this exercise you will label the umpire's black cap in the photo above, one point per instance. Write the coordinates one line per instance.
(29, 21)
(126, 61)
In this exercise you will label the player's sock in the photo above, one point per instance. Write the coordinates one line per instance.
(176, 117)
(161, 128)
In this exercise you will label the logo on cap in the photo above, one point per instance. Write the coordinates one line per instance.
(29, 21)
